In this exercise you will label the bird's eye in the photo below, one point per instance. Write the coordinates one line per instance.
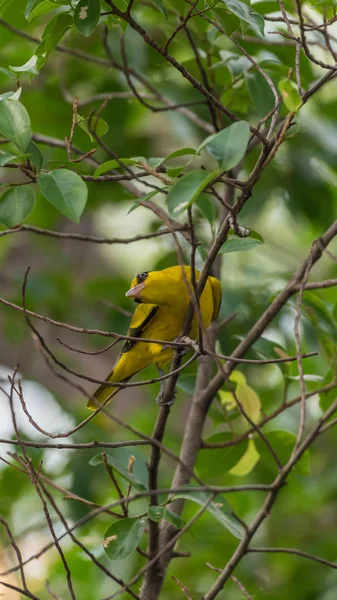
(142, 276)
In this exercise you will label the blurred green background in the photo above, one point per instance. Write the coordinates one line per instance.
(81, 283)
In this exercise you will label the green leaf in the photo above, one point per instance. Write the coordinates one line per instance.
(255, 236)
(13, 95)
(186, 383)
(36, 157)
(266, 349)
(247, 462)
(323, 171)
(122, 537)
(97, 125)
(86, 17)
(324, 326)
(15, 123)
(4, 4)
(6, 157)
(249, 400)
(206, 206)
(246, 396)
(215, 462)
(175, 171)
(143, 199)
(119, 462)
(133, 207)
(16, 95)
(154, 162)
(36, 8)
(113, 164)
(327, 398)
(7, 72)
(229, 22)
(307, 377)
(181, 152)
(219, 508)
(159, 513)
(115, 21)
(16, 204)
(247, 14)
(28, 67)
(161, 7)
(260, 93)
(66, 191)
(228, 146)
(334, 312)
(187, 189)
(290, 95)
(239, 245)
(203, 252)
(52, 34)
(283, 443)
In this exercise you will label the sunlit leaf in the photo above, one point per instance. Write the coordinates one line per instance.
(227, 399)
(290, 95)
(122, 538)
(246, 396)
(250, 401)
(16, 204)
(247, 462)
(215, 462)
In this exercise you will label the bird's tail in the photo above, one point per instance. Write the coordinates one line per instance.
(102, 393)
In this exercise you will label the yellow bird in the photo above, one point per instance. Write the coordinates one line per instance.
(163, 300)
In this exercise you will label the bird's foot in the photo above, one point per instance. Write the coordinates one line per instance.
(184, 339)
(161, 399)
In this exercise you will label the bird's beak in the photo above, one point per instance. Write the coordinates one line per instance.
(135, 291)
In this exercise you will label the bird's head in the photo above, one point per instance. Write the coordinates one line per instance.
(147, 287)
(141, 286)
